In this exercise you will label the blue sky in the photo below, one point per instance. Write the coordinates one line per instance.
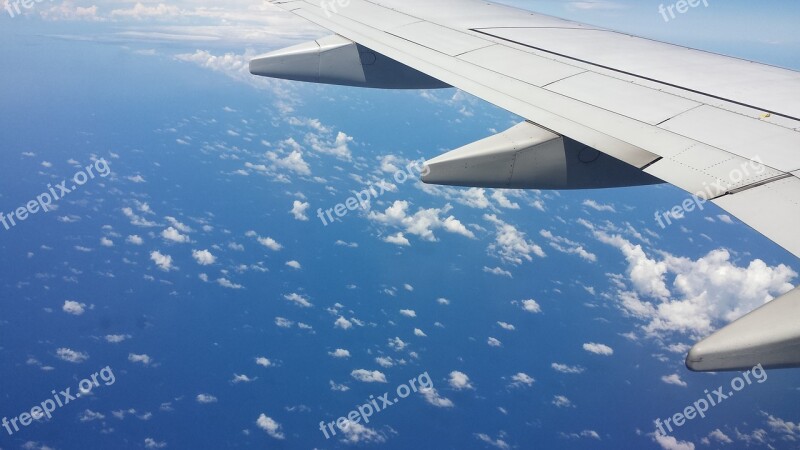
(232, 317)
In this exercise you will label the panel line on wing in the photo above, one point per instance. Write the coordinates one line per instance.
(643, 77)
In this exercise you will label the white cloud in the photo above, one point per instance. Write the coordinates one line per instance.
(397, 239)
(298, 299)
(237, 378)
(589, 434)
(116, 338)
(106, 242)
(164, 262)
(501, 198)
(140, 11)
(432, 396)
(68, 11)
(141, 359)
(283, 322)
(522, 379)
(338, 387)
(599, 206)
(137, 220)
(789, 431)
(497, 271)
(88, 416)
(494, 342)
(510, 244)
(678, 294)
(720, 437)
(73, 307)
(226, 283)
(270, 243)
(205, 398)
(203, 257)
(232, 65)
(293, 162)
(263, 362)
(152, 443)
(340, 353)
(299, 210)
(670, 443)
(562, 401)
(134, 240)
(270, 426)
(408, 312)
(294, 265)
(343, 323)
(366, 376)
(563, 368)
(171, 234)
(69, 355)
(496, 443)
(421, 224)
(136, 179)
(646, 274)
(356, 433)
(342, 243)
(385, 361)
(397, 344)
(674, 379)
(506, 326)
(725, 219)
(474, 198)
(531, 306)
(419, 333)
(338, 147)
(565, 245)
(459, 380)
(598, 349)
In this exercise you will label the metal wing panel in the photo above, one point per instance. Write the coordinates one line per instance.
(773, 209)
(634, 101)
(710, 172)
(521, 65)
(762, 87)
(376, 16)
(465, 14)
(439, 38)
(744, 136)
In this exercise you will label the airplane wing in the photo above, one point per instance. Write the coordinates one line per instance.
(602, 109)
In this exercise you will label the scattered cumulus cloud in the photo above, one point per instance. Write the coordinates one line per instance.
(598, 349)
(366, 376)
(270, 426)
(74, 308)
(203, 257)
(72, 356)
(459, 380)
